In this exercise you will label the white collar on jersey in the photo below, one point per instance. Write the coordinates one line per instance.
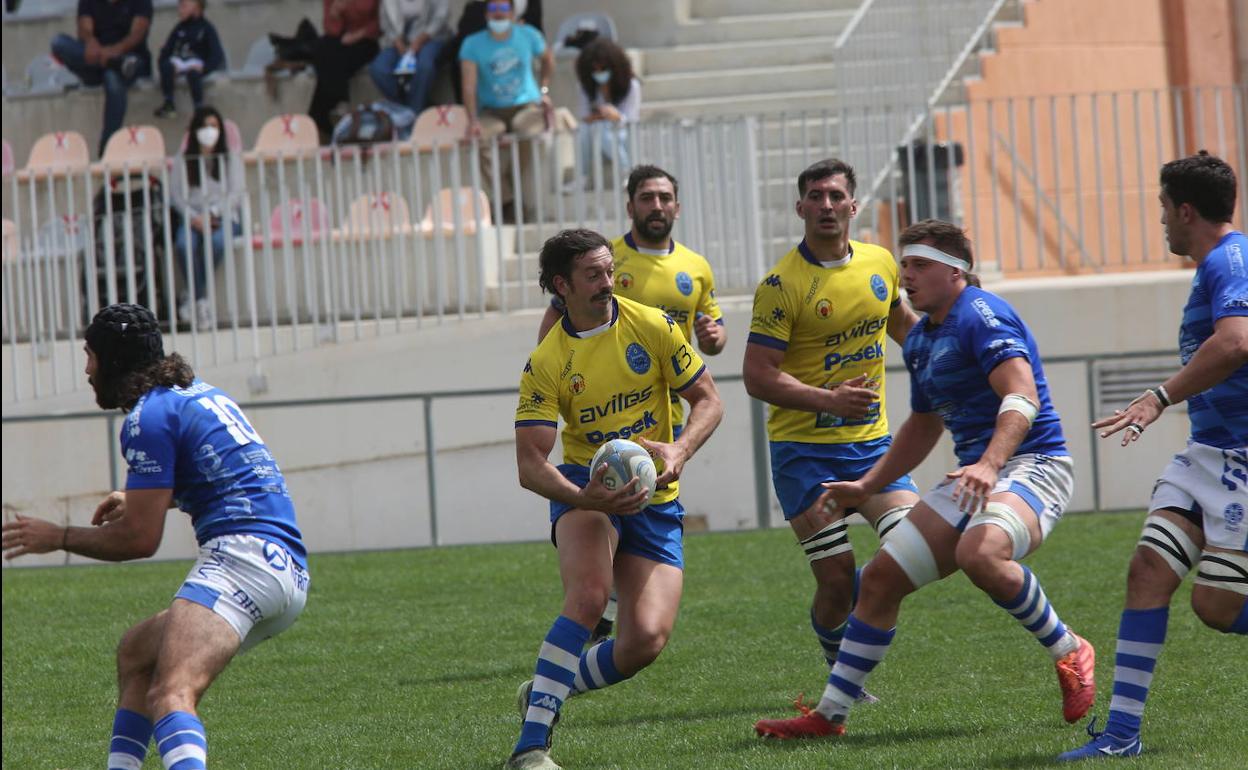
(936, 255)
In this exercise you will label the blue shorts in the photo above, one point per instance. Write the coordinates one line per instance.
(653, 534)
(798, 469)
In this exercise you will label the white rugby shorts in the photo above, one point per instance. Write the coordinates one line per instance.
(1214, 483)
(1045, 482)
(252, 583)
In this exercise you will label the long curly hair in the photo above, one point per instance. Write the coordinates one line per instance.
(123, 390)
(602, 54)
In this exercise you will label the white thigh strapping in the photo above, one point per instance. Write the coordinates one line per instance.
(1227, 571)
(907, 546)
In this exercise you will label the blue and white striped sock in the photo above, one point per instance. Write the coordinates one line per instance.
(131, 733)
(1141, 633)
(557, 664)
(181, 741)
(829, 638)
(597, 669)
(1031, 608)
(861, 651)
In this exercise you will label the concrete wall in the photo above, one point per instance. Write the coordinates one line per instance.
(357, 473)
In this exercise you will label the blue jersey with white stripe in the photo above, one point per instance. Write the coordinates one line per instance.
(949, 366)
(1219, 415)
(197, 442)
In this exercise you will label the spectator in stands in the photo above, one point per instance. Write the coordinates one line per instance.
(193, 49)
(473, 20)
(414, 32)
(111, 49)
(610, 99)
(350, 42)
(207, 191)
(500, 92)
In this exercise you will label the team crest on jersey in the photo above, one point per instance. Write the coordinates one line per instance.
(879, 287)
(684, 283)
(625, 280)
(637, 357)
(823, 308)
(577, 384)
(1234, 515)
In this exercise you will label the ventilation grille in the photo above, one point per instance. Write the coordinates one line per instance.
(1119, 382)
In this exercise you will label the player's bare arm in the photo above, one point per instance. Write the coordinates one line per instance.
(1214, 361)
(705, 411)
(135, 533)
(975, 482)
(533, 446)
(549, 319)
(912, 443)
(765, 381)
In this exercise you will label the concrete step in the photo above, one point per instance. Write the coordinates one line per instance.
(782, 26)
(752, 104)
(719, 8)
(717, 57)
(740, 83)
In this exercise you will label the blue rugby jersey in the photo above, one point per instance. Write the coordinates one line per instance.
(1219, 415)
(949, 366)
(197, 442)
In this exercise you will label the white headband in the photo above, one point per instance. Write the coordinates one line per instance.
(936, 255)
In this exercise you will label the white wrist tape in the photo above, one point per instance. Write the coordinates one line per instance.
(1017, 402)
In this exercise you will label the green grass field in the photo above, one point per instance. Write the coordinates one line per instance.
(410, 659)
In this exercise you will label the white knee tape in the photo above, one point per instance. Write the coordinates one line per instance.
(1171, 543)
(889, 519)
(1227, 571)
(829, 541)
(1007, 519)
(911, 552)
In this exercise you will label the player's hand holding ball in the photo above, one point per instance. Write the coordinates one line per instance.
(669, 460)
(622, 478)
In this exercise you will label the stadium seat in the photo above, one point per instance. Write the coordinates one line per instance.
(379, 215)
(10, 240)
(48, 76)
(233, 138)
(58, 153)
(135, 146)
(603, 24)
(464, 201)
(286, 134)
(439, 124)
(296, 212)
(63, 236)
(8, 158)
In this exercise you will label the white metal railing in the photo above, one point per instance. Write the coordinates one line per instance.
(341, 242)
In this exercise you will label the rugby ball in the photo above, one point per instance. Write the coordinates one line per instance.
(624, 460)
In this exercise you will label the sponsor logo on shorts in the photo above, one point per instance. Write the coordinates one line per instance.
(276, 556)
(879, 288)
(637, 357)
(684, 284)
(247, 604)
(1234, 515)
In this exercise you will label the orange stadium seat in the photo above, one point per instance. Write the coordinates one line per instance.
(439, 124)
(464, 201)
(134, 145)
(379, 215)
(297, 213)
(58, 152)
(8, 158)
(286, 134)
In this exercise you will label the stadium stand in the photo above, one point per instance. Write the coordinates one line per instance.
(439, 124)
(378, 215)
(58, 152)
(286, 134)
(581, 23)
(134, 146)
(311, 214)
(461, 203)
(8, 158)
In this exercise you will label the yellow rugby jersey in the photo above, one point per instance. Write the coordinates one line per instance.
(679, 283)
(612, 385)
(831, 324)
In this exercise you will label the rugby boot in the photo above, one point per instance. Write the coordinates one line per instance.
(811, 724)
(533, 759)
(1103, 746)
(1076, 674)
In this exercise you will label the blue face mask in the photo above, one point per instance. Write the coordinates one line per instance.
(499, 26)
(601, 78)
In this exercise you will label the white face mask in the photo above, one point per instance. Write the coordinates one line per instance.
(208, 136)
(499, 26)
(602, 77)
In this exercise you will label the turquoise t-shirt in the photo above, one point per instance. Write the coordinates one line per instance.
(505, 67)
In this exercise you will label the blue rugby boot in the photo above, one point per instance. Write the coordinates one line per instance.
(1102, 746)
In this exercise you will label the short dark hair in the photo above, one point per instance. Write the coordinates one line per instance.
(560, 251)
(1205, 181)
(647, 171)
(945, 236)
(824, 169)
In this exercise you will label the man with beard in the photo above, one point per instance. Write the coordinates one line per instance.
(816, 354)
(187, 444)
(607, 371)
(655, 270)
